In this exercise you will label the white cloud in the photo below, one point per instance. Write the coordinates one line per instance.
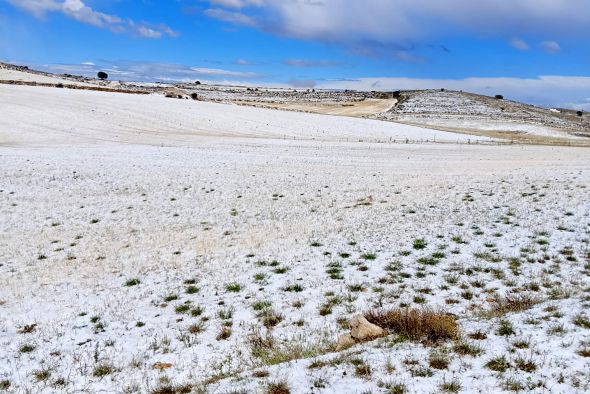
(237, 3)
(236, 18)
(310, 63)
(78, 10)
(519, 44)
(551, 46)
(224, 73)
(401, 21)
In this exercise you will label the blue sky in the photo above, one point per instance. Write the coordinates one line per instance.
(532, 50)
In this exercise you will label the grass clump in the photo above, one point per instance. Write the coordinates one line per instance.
(169, 389)
(368, 256)
(233, 287)
(581, 320)
(467, 349)
(224, 333)
(417, 324)
(419, 244)
(293, 288)
(132, 282)
(505, 328)
(269, 351)
(192, 289)
(498, 364)
(103, 369)
(278, 387)
(511, 303)
(453, 386)
(27, 348)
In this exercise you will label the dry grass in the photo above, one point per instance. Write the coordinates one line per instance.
(417, 324)
(169, 389)
(279, 387)
(270, 351)
(512, 303)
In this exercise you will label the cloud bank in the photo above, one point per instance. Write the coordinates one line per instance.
(397, 25)
(78, 10)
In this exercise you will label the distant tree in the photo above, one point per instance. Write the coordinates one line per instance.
(194, 96)
(442, 89)
(197, 82)
(580, 113)
(499, 97)
(102, 75)
(59, 85)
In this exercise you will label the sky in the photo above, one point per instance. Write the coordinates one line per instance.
(537, 51)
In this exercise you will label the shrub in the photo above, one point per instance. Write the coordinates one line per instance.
(416, 324)
(499, 97)
(102, 75)
(194, 96)
(580, 113)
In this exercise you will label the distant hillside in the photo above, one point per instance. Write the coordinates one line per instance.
(468, 112)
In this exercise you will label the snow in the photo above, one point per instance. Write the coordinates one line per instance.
(470, 112)
(7, 74)
(96, 117)
(97, 189)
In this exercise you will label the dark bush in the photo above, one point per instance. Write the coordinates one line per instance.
(102, 75)
(580, 113)
(194, 96)
(499, 97)
(59, 85)
(197, 82)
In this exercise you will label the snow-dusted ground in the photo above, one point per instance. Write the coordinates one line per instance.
(7, 74)
(133, 229)
(464, 111)
(38, 115)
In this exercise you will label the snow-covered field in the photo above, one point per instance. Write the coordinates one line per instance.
(154, 245)
(15, 75)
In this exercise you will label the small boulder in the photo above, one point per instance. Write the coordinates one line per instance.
(344, 342)
(362, 330)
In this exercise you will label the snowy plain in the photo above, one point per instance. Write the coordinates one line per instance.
(145, 240)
